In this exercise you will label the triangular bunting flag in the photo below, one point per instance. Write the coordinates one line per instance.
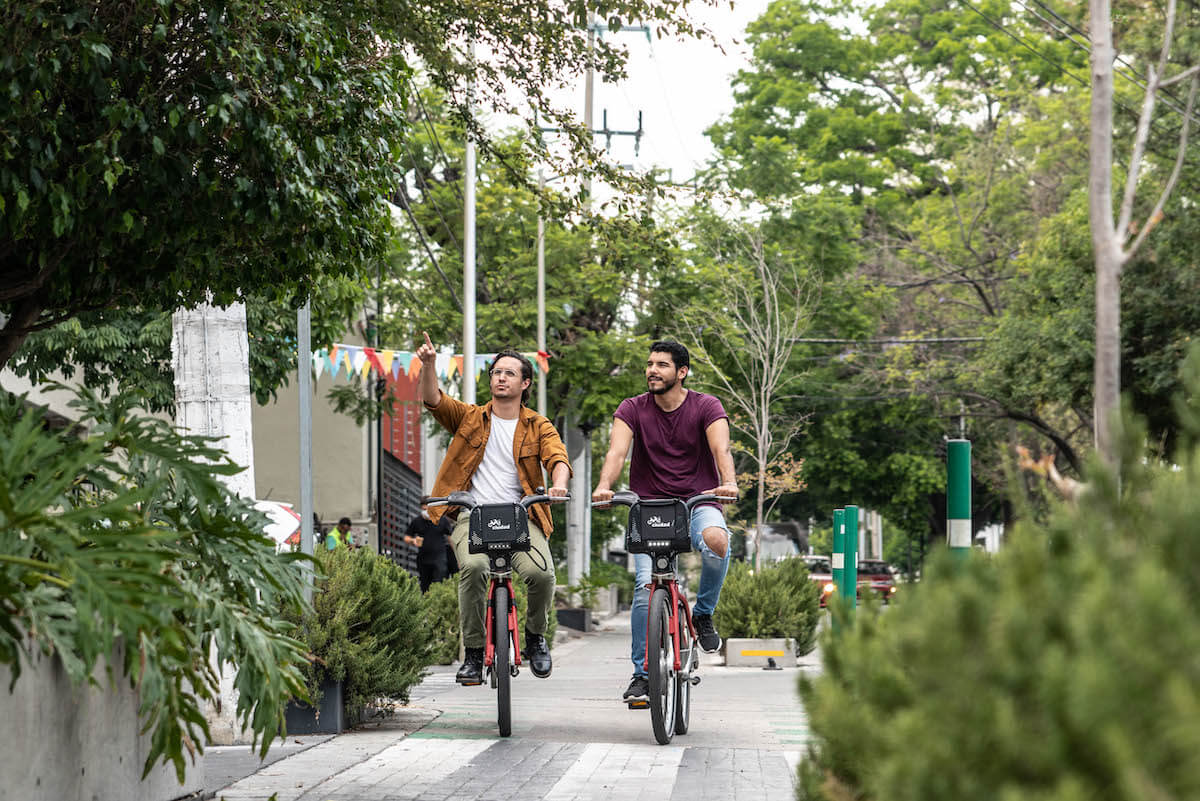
(386, 357)
(318, 362)
(357, 359)
(333, 360)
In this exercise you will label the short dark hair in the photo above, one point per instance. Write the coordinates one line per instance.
(526, 369)
(345, 520)
(679, 354)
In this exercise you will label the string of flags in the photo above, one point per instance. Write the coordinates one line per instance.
(361, 361)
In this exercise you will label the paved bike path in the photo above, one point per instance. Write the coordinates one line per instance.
(572, 739)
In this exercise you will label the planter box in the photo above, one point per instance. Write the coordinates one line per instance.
(753, 652)
(68, 742)
(575, 618)
(328, 718)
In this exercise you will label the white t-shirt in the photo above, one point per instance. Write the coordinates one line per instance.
(496, 480)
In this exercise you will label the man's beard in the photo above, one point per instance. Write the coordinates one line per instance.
(663, 387)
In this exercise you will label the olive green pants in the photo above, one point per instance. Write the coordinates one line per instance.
(536, 569)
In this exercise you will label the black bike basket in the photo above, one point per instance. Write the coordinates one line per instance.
(657, 526)
(498, 527)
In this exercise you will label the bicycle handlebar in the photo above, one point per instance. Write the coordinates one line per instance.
(467, 501)
(629, 498)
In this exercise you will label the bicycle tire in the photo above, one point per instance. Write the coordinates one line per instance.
(662, 667)
(500, 665)
(683, 678)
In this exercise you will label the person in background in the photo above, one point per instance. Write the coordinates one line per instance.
(339, 535)
(429, 538)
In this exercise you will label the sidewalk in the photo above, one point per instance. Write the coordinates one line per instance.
(572, 738)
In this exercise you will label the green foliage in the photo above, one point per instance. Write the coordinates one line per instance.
(1061, 668)
(119, 532)
(442, 611)
(777, 601)
(605, 574)
(367, 628)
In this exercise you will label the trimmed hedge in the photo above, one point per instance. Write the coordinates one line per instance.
(367, 628)
(777, 601)
(1063, 668)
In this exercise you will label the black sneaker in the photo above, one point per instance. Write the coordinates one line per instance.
(638, 688)
(538, 654)
(706, 632)
(471, 672)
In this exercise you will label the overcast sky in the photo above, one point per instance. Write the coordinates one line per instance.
(680, 87)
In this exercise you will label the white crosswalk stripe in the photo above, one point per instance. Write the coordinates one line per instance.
(611, 770)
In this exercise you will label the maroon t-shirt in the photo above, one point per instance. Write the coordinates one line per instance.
(671, 457)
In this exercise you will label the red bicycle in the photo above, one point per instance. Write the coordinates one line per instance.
(661, 529)
(499, 530)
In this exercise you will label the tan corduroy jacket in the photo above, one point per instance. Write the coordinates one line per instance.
(536, 444)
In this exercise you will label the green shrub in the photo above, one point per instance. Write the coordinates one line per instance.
(777, 601)
(1063, 667)
(605, 573)
(120, 530)
(367, 629)
(442, 610)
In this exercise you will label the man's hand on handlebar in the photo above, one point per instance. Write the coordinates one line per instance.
(558, 492)
(601, 497)
(726, 493)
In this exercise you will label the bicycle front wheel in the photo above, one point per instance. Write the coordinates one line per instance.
(500, 667)
(662, 667)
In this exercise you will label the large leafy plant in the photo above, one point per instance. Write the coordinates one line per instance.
(117, 537)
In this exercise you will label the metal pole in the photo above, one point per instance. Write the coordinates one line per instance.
(541, 296)
(958, 496)
(839, 552)
(468, 374)
(849, 585)
(304, 375)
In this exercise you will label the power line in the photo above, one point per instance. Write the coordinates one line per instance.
(886, 340)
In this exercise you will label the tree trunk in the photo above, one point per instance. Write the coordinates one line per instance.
(758, 514)
(1105, 245)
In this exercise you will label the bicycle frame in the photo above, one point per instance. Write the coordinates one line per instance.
(676, 598)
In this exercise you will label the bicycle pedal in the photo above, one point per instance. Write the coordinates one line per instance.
(638, 703)
(513, 670)
(471, 683)
(694, 680)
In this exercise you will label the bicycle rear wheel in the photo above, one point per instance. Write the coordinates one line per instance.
(662, 667)
(500, 665)
(688, 659)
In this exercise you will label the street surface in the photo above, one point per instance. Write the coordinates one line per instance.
(573, 738)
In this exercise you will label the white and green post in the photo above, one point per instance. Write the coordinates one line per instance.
(848, 588)
(958, 496)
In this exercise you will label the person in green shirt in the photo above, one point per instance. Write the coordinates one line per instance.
(338, 535)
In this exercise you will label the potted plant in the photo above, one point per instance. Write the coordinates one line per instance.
(368, 638)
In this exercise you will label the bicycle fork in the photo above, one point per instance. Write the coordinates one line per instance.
(672, 623)
(489, 654)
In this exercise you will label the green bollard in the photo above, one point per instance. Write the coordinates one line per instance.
(849, 586)
(839, 553)
(958, 496)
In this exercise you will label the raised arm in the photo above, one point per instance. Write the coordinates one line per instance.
(717, 434)
(431, 394)
(618, 448)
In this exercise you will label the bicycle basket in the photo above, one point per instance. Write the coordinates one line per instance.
(656, 526)
(498, 527)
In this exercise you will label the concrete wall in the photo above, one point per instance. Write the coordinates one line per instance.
(68, 743)
(340, 449)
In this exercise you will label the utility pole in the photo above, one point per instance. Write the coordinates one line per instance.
(579, 432)
(304, 369)
(541, 295)
(468, 373)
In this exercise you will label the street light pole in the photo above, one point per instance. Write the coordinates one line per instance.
(541, 294)
(468, 373)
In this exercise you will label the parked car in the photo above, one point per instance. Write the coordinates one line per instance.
(876, 576)
(821, 571)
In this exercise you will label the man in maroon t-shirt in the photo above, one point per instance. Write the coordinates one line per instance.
(680, 442)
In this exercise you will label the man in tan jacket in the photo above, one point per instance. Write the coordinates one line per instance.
(497, 453)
